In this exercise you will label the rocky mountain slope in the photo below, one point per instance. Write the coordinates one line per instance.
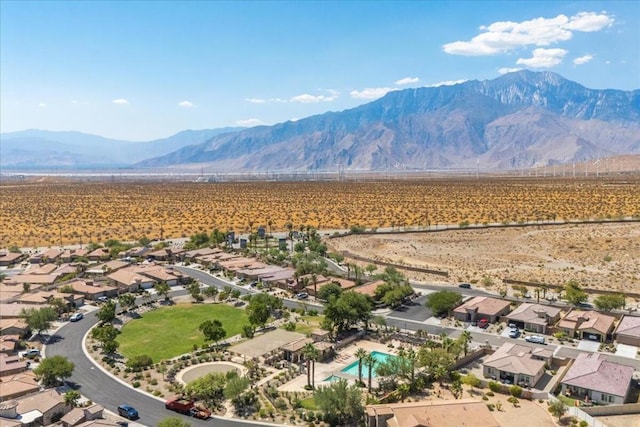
(519, 120)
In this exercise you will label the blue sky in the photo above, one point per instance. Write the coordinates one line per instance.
(146, 70)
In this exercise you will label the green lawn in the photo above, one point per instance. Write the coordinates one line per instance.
(311, 323)
(168, 332)
(309, 404)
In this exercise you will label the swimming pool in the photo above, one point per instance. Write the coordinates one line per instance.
(380, 357)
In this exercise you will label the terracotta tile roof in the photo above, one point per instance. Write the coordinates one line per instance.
(83, 287)
(534, 313)
(42, 402)
(14, 310)
(485, 305)
(516, 359)
(629, 326)
(592, 371)
(18, 385)
(582, 320)
(369, 288)
(436, 413)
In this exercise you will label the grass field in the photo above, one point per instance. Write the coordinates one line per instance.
(172, 331)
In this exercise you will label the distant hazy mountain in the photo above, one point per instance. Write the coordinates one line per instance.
(44, 149)
(518, 120)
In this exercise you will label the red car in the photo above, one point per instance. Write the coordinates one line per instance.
(483, 323)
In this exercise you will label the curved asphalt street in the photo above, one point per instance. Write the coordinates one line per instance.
(95, 384)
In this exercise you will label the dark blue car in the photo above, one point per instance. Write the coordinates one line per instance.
(128, 412)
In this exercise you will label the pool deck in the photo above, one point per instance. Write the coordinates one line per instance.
(344, 358)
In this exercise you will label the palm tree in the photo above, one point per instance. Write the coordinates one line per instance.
(403, 389)
(370, 361)
(360, 353)
(314, 280)
(309, 353)
(71, 398)
(465, 339)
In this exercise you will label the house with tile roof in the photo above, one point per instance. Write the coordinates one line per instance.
(594, 378)
(41, 408)
(588, 325)
(128, 280)
(517, 364)
(434, 413)
(482, 308)
(10, 258)
(628, 331)
(17, 385)
(534, 317)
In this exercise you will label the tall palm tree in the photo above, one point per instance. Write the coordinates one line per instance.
(465, 339)
(310, 354)
(360, 353)
(314, 281)
(370, 361)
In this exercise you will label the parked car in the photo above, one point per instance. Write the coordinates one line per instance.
(514, 333)
(102, 299)
(76, 316)
(465, 285)
(31, 353)
(535, 339)
(128, 412)
(302, 295)
(483, 323)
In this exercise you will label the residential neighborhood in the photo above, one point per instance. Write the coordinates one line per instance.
(576, 360)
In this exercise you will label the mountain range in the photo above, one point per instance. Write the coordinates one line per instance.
(519, 120)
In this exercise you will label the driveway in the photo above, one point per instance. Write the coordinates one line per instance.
(625, 350)
(588, 345)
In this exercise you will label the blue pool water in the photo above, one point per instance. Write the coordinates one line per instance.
(352, 369)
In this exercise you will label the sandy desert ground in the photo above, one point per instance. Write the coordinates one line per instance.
(599, 256)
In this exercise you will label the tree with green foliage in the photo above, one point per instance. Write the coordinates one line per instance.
(329, 290)
(311, 354)
(340, 403)
(573, 293)
(465, 339)
(107, 312)
(173, 422)
(558, 408)
(370, 361)
(71, 398)
(436, 361)
(442, 302)
(194, 291)
(210, 292)
(208, 388)
(196, 241)
(346, 311)
(236, 385)
(39, 319)
(361, 355)
(163, 289)
(471, 380)
(608, 302)
(127, 301)
(106, 334)
(212, 330)
(53, 369)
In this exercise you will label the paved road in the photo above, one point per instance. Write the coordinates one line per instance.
(104, 389)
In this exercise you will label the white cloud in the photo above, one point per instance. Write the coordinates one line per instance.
(446, 83)
(506, 36)
(185, 104)
(590, 21)
(277, 100)
(582, 59)
(255, 100)
(543, 58)
(120, 101)
(370, 92)
(42, 105)
(249, 122)
(74, 102)
(306, 98)
(506, 70)
(407, 80)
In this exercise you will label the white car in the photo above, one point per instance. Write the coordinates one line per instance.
(534, 339)
(76, 316)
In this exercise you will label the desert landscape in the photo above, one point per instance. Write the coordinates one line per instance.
(51, 211)
(599, 256)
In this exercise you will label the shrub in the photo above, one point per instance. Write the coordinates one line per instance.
(515, 391)
(494, 386)
(136, 384)
(140, 361)
(491, 406)
(490, 394)
(153, 381)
